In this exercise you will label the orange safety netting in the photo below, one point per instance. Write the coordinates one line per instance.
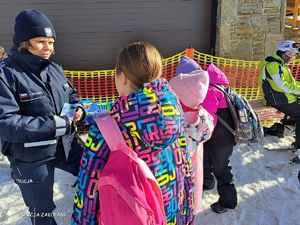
(99, 85)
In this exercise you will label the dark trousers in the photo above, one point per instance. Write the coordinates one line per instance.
(36, 181)
(292, 110)
(216, 162)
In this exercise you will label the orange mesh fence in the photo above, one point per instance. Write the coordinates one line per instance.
(99, 85)
(242, 75)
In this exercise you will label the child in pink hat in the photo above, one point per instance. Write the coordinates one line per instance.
(191, 87)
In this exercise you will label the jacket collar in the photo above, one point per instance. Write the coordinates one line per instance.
(275, 58)
(31, 62)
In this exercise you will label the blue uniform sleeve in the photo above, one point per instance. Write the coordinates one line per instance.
(17, 128)
(86, 201)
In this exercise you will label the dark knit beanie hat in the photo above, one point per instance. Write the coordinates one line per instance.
(31, 24)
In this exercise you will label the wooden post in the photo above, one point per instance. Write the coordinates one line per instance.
(189, 52)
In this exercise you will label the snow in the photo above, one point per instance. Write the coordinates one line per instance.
(267, 185)
(12, 208)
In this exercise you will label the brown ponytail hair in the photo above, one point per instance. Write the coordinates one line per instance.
(140, 62)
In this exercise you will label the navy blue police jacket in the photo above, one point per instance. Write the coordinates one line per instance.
(33, 91)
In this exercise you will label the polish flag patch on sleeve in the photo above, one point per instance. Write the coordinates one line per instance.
(23, 96)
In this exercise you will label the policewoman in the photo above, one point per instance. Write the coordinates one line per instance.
(33, 90)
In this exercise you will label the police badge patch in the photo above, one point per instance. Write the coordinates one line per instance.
(48, 32)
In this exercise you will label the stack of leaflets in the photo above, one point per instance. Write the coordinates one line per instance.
(90, 107)
(68, 110)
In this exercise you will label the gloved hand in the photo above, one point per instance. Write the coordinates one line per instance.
(63, 125)
(79, 114)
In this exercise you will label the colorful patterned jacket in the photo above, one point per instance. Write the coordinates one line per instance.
(152, 124)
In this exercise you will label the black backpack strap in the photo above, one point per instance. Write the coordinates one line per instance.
(226, 125)
(231, 108)
(221, 88)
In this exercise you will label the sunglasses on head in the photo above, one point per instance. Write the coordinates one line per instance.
(296, 45)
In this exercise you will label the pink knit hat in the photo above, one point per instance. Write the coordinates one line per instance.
(191, 88)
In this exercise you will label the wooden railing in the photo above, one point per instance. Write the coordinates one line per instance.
(292, 18)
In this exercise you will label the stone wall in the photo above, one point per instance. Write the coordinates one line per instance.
(249, 29)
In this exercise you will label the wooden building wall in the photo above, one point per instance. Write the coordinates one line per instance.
(90, 32)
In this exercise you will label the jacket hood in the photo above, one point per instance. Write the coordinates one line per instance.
(191, 88)
(216, 75)
(152, 114)
(272, 58)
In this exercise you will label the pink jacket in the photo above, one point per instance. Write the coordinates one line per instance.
(190, 85)
(215, 98)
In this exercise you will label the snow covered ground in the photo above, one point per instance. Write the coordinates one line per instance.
(267, 185)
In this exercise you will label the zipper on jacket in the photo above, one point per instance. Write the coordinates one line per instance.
(19, 171)
(43, 74)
